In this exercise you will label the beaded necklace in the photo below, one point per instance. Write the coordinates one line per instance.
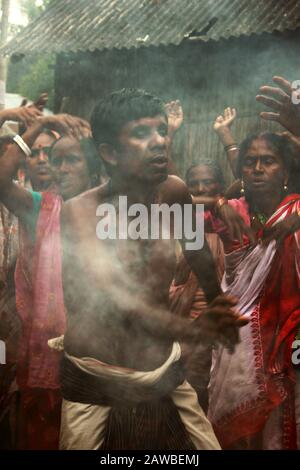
(258, 220)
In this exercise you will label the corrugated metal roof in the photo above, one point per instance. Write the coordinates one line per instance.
(73, 25)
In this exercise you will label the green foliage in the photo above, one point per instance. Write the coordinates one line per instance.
(34, 8)
(32, 75)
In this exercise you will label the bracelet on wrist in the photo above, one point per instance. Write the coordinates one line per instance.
(229, 148)
(22, 144)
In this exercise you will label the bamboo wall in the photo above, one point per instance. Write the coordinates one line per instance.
(206, 77)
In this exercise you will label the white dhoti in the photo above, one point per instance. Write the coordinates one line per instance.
(83, 426)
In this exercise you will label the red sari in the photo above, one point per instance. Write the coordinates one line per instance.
(258, 382)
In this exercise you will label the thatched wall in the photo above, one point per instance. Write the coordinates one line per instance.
(206, 77)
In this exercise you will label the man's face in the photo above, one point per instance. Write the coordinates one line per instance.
(202, 182)
(70, 168)
(38, 166)
(263, 171)
(142, 150)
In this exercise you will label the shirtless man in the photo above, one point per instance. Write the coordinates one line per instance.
(122, 377)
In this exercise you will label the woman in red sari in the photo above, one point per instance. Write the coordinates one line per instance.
(255, 392)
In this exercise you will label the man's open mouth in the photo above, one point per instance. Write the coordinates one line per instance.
(160, 160)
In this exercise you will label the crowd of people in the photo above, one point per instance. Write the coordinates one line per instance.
(138, 342)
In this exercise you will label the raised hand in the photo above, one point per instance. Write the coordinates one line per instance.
(222, 127)
(66, 124)
(41, 102)
(283, 100)
(225, 121)
(235, 224)
(23, 114)
(175, 115)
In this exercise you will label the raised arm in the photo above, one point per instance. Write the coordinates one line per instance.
(175, 116)
(23, 114)
(222, 127)
(17, 199)
(175, 119)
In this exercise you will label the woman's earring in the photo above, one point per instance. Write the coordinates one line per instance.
(285, 186)
(242, 190)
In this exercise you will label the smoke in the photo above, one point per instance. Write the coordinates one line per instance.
(116, 294)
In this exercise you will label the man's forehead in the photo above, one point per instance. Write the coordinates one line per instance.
(146, 121)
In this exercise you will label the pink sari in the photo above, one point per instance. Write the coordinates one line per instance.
(39, 297)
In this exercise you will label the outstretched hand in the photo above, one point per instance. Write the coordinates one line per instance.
(235, 224)
(280, 231)
(283, 100)
(225, 121)
(220, 323)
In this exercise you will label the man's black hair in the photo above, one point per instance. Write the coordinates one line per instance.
(116, 109)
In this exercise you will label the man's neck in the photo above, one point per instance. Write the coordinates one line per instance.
(137, 192)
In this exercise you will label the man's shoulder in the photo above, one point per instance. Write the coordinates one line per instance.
(84, 204)
(174, 189)
(91, 197)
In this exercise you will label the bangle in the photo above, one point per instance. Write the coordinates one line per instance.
(230, 147)
(22, 144)
(220, 202)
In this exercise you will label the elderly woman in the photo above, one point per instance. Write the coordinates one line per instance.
(255, 392)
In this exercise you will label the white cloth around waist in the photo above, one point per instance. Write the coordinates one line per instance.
(98, 368)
